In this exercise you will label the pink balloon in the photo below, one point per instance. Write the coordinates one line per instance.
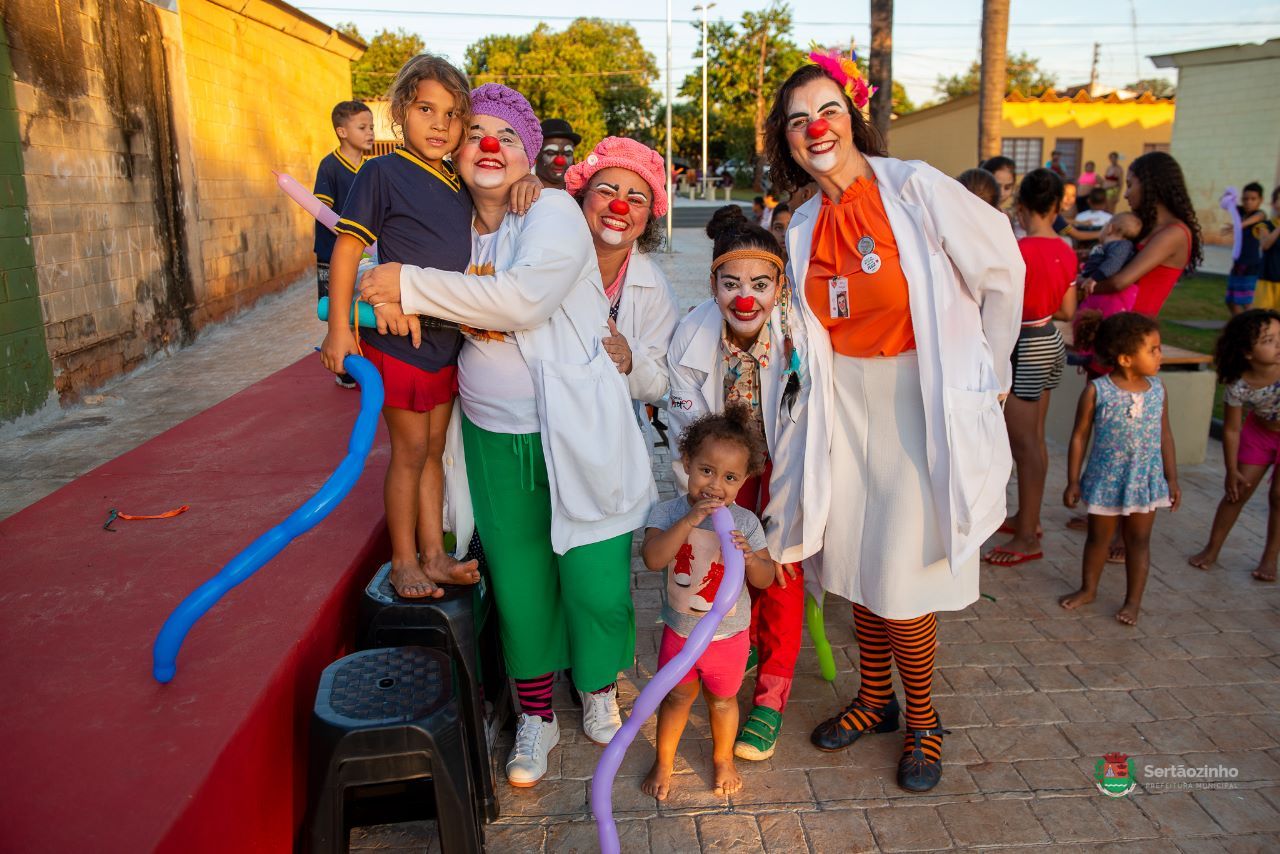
(665, 680)
(308, 202)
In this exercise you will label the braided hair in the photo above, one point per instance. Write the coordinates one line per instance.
(1162, 184)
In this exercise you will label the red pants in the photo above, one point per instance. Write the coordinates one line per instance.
(777, 615)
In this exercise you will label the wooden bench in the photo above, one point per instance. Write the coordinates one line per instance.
(1190, 383)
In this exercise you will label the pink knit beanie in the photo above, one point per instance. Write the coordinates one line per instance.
(625, 154)
(503, 102)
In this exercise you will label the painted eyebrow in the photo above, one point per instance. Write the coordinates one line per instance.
(613, 187)
(765, 276)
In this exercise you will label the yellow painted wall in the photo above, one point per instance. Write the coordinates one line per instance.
(148, 141)
(947, 136)
(1228, 131)
(259, 101)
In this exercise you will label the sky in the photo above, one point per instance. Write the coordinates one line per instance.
(931, 37)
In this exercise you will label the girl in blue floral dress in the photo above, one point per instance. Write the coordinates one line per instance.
(1131, 470)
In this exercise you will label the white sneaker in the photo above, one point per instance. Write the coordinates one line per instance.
(600, 717)
(535, 737)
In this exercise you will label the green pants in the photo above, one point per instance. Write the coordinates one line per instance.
(554, 611)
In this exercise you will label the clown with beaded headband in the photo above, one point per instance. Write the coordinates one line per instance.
(905, 302)
(738, 347)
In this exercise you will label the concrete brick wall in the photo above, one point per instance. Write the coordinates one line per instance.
(26, 377)
(148, 139)
(1228, 130)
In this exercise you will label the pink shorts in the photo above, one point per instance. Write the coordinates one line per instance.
(1258, 445)
(721, 668)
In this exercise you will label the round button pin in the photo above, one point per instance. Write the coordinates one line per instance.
(866, 245)
(870, 263)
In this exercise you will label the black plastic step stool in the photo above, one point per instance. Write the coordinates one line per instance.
(464, 624)
(390, 716)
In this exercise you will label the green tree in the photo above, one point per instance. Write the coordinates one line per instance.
(749, 60)
(595, 74)
(373, 73)
(1024, 74)
(1157, 86)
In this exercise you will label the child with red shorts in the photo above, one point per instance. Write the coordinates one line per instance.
(412, 203)
(1247, 357)
(719, 453)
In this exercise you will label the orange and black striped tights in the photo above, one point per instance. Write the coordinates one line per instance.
(912, 645)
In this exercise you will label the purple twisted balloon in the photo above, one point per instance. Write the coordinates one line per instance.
(665, 680)
(1230, 203)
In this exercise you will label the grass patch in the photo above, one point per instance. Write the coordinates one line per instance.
(1198, 297)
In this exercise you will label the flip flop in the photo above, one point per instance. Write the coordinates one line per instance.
(1021, 557)
(1006, 528)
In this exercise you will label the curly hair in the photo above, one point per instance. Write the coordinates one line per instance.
(785, 173)
(729, 229)
(1162, 183)
(426, 66)
(650, 239)
(736, 424)
(1231, 352)
(1040, 192)
(1119, 335)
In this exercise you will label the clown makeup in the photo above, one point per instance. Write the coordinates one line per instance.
(492, 157)
(555, 157)
(746, 290)
(818, 127)
(432, 125)
(617, 206)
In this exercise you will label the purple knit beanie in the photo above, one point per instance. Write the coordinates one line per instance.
(503, 102)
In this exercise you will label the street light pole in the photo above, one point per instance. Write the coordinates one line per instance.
(670, 195)
(706, 172)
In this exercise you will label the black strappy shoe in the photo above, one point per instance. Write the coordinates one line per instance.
(917, 772)
(841, 731)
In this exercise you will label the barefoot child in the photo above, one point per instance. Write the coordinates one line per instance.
(1131, 470)
(1248, 361)
(719, 452)
(412, 203)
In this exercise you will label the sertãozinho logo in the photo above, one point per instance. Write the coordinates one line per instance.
(1114, 773)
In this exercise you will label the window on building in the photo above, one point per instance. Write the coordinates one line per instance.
(1026, 152)
(1148, 147)
(1070, 159)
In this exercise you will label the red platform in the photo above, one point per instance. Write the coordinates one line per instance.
(97, 755)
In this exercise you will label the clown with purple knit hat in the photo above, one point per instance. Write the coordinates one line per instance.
(544, 437)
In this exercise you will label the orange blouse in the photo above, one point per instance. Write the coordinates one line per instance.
(876, 321)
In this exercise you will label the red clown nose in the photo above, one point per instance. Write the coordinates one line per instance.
(619, 207)
(559, 160)
(744, 304)
(818, 129)
(490, 144)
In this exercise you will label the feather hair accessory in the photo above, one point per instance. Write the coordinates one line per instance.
(844, 70)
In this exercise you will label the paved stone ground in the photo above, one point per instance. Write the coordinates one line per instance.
(1034, 695)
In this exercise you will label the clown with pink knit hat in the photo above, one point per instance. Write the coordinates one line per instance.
(555, 512)
(621, 186)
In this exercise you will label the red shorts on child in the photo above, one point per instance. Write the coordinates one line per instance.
(1258, 445)
(407, 387)
(721, 668)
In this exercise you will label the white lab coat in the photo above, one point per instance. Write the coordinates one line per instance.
(647, 318)
(965, 275)
(546, 290)
(696, 367)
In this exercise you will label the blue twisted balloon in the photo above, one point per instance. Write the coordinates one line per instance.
(665, 680)
(164, 653)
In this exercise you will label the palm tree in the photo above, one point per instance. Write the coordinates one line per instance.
(880, 65)
(995, 36)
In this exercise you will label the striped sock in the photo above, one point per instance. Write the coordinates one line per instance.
(535, 696)
(876, 686)
(915, 644)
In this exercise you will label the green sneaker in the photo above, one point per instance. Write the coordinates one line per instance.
(759, 736)
(753, 659)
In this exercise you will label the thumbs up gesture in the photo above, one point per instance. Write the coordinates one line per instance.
(618, 349)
